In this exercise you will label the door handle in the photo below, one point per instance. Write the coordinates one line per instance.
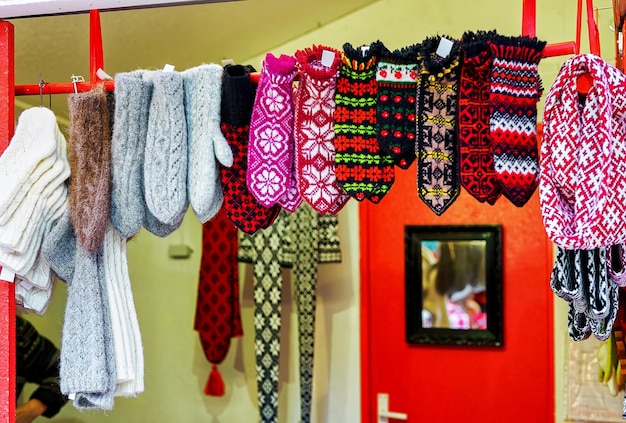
(383, 410)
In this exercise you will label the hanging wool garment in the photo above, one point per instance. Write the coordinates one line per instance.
(237, 100)
(314, 131)
(270, 152)
(207, 147)
(582, 184)
(218, 313)
(396, 75)
(90, 164)
(165, 163)
(436, 144)
(515, 92)
(478, 175)
(328, 239)
(361, 168)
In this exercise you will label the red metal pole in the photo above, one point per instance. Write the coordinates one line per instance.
(96, 55)
(7, 290)
(529, 18)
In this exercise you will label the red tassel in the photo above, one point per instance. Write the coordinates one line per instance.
(215, 384)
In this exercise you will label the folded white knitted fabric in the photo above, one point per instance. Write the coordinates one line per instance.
(32, 298)
(33, 141)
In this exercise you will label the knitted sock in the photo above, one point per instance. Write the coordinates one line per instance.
(271, 128)
(165, 164)
(59, 248)
(132, 104)
(218, 315)
(396, 75)
(90, 164)
(314, 130)
(237, 100)
(362, 170)
(478, 175)
(436, 142)
(206, 142)
(515, 92)
(34, 141)
(328, 242)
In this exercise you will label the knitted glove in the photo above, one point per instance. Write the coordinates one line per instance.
(314, 130)
(237, 100)
(270, 152)
(478, 175)
(515, 92)
(362, 170)
(396, 76)
(165, 165)
(436, 142)
(205, 140)
(90, 164)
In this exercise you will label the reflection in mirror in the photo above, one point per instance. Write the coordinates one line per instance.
(454, 284)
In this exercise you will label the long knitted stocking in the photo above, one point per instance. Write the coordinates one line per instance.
(478, 175)
(362, 170)
(515, 92)
(436, 143)
(396, 75)
(271, 127)
(306, 235)
(218, 315)
(314, 130)
(237, 99)
(90, 164)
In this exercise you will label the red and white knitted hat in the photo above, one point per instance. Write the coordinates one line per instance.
(582, 183)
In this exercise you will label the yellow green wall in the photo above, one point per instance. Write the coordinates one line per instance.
(165, 289)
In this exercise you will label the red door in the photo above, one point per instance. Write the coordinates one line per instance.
(513, 383)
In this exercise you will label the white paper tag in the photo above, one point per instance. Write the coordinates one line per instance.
(228, 62)
(444, 47)
(72, 396)
(328, 57)
(364, 49)
(100, 73)
(168, 68)
(25, 284)
(7, 275)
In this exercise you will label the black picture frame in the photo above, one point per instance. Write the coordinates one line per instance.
(469, 255)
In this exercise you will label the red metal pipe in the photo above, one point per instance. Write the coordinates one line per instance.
(96, 55)
(592, 28)
(7, 290)
(60, 88)
(529, 18)
(559, 49)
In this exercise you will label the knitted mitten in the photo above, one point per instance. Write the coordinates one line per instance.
(165, 165)
(396, 75)
(90, 164)
(361, 168)
(515, 92)
(436, 141)
(237, 100)
(205, 140)
(270, 152)
(218, 315)
(478, 175)
(314, 129)
(132, 95)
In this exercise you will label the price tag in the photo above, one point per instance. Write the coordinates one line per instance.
(328, 57)
(228, 62)
(168, 68)
(444, 47)
(7, 275)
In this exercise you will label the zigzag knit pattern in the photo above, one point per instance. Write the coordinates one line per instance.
(582, 187)
(314, 131)
(270, 155)
(515, 92)
(396, 75)
(362, 170)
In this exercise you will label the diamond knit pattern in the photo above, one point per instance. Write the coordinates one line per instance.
(582, 187)
(241, 206)
(267, 318)
(515, 91)
(270, 153)
(314, 131)
(436, 138)
(218, 313)
(305, 231)
(478, 174)
(396, 76)
(362, 170)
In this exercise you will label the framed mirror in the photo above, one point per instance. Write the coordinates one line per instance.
(453, 284)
